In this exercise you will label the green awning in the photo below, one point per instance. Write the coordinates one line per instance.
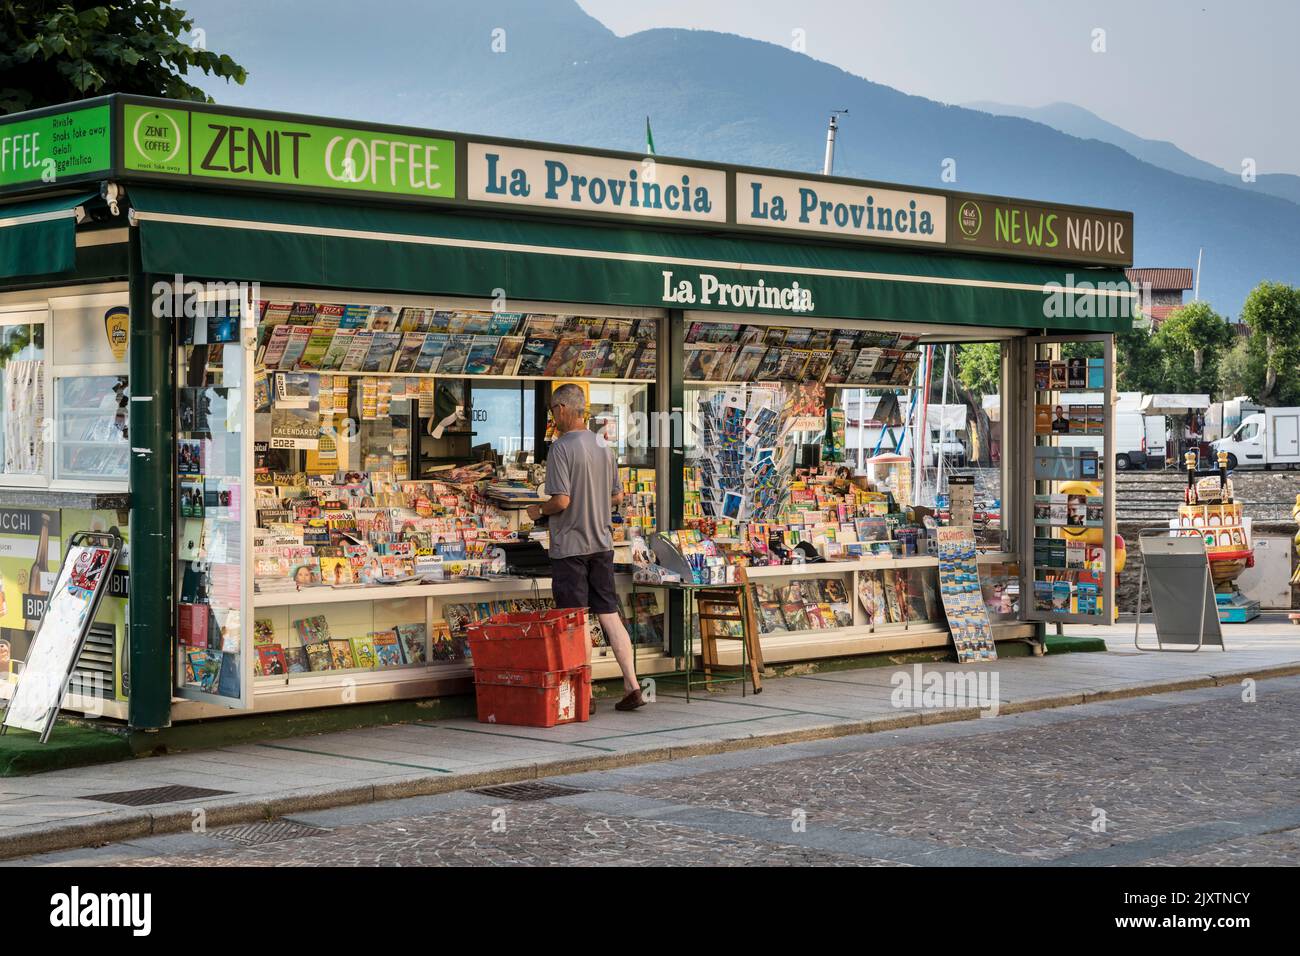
(39, 237)
(435, 251)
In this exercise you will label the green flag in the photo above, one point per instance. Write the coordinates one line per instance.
(649, 138)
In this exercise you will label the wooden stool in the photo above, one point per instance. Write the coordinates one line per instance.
(727, 614)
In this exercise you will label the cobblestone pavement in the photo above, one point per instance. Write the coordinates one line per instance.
(1194, 778)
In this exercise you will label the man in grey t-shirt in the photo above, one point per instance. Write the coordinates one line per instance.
(582, 480)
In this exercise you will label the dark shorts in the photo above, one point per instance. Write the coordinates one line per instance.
(585, 580)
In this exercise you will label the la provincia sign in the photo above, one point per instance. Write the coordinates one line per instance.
(708, 289)
(580, 182)
(840, 209)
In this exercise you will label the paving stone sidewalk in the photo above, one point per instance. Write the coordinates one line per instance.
(272, 778)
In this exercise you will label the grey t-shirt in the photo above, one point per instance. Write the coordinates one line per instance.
(580, 466)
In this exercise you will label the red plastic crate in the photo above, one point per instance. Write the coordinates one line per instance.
(551, 640)
(527, 698)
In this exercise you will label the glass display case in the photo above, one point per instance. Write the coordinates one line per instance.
(831, 599)
(1069, 534)
(211, 475)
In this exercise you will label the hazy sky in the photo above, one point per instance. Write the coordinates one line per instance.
(1219, 79)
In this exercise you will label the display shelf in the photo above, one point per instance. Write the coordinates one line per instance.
(839, 567)
(460, 377)
(704, 383)
(649, 660)
(381, 592)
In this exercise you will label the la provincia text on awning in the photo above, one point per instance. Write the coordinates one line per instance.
(420, 251)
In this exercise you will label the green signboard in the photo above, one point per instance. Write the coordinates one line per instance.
(46, 149)
(284, 152)
(1040, 230)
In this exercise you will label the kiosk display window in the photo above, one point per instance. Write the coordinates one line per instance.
(212, 495)
(1070, 541)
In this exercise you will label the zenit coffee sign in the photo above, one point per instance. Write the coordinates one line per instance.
(1035, 229)
(257, 150)
(578, 182)
(840, 209)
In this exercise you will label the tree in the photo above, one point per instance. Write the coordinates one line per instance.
(979, 367)
(1272, 313)
(1137, 361)
(54, 51)
(1190, 343)
(1239, 371)
(978, 372)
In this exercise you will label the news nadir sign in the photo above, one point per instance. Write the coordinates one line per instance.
(1051, 232)
(840, 209)
(578, 182)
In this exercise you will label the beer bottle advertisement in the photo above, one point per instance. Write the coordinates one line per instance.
(29, 560)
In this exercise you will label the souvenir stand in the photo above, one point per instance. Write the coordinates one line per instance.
(321, 353)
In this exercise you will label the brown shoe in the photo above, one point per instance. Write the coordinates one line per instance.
(631, 701)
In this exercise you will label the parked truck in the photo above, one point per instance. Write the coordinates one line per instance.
(1266, 439)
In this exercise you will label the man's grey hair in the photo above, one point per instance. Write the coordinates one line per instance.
(571, 397)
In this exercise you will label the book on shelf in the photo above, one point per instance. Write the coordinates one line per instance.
(409, 351)
(387, 648)
(435, 343)
(357, 351)
(341, 655)
(340, 342)
(354, 317)
(537, 352)
(646, 365)
(483, 349)
(318, 344)
(507, 355)
(296, 660)
(455, 354)
(303, 313)
(319, 657)
(382, 353)
(363, 651)
(270, 660)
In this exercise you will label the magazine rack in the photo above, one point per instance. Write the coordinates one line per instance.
(1068, 536)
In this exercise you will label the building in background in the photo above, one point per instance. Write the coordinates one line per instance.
(1163, 288)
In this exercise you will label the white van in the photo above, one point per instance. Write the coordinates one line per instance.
(1264, 439)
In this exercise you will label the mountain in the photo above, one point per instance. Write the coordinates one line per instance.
(565, 78)
(1080, 122)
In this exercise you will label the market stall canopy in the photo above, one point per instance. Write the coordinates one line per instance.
(946, 418)
(38, 237)
(1174, 404)
(423, 250)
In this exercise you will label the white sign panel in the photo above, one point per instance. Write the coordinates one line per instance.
(840, 209)
(601, 184)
